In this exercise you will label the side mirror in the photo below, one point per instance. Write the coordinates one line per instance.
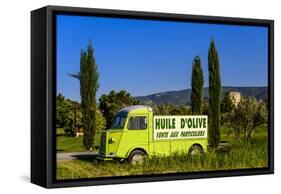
(111, 140)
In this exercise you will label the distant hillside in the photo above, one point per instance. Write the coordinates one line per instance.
(182, 97)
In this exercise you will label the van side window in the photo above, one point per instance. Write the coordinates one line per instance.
(137, 123)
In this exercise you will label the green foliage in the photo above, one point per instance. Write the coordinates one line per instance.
(110, 104)
(170, 109)
(88, 89)
(214, 96)
(227, 104)
(63, 107)
(197, 82)
(166, 109)
(70, 143)
(88, 77)
(150, 103)
(74, 119)
(68, 115)
(100, 126)
(248, 115)
(205, 107)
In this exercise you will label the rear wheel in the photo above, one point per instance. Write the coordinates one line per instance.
(136, 157)
(196, 151)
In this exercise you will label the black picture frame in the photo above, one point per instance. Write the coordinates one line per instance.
(43, 93)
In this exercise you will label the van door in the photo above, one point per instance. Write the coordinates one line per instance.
(136, 133)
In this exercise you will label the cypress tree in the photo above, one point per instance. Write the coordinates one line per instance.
(197, 82)
(89, 85)
(214, 96)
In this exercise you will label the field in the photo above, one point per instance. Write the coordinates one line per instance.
(66, 143)
(243, 154)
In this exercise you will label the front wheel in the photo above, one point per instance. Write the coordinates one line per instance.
(136, 157)
(196, 151)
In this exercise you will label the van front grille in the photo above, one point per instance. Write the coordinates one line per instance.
(102, 149)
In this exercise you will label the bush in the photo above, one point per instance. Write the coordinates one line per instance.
(248, 115)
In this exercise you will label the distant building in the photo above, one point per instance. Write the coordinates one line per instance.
(79, 131)
(235, 96)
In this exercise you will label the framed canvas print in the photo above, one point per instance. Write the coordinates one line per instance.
(126, 96)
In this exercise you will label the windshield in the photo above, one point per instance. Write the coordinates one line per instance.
(119, 122)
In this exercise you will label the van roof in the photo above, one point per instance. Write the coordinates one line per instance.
(135, 107)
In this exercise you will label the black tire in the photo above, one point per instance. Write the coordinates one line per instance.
(136, 157)
(196, 151)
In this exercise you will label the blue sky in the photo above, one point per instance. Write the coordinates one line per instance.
(148, 56)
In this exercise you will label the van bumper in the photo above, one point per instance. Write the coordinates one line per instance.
(104, 158)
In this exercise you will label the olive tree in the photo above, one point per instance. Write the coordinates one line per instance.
(248, 115)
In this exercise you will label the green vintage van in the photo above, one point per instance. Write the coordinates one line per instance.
(137, 133)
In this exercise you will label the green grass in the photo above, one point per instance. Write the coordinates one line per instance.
(243, 154)
(60, 131)
(67, 143)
